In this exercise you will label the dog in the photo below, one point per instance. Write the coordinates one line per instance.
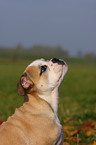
(36, 122)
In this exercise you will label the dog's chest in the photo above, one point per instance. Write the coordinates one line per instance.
(45, 130)
(44, 125)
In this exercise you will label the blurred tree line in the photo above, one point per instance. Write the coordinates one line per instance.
(38, 51)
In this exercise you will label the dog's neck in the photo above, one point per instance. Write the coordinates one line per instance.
(52, 98)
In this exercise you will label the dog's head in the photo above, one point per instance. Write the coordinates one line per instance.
(42, 76)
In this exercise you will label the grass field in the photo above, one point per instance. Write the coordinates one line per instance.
(77, 92)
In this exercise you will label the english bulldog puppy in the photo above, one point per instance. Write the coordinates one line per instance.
(36, 122)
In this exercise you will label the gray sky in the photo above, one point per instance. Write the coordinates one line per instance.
(69, 23)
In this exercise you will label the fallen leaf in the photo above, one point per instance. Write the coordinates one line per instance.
(70, 139)
(89, 132)
(94, 125)
(75, 139)
(74, 132)
(68, 127)
(94, 143)
(66, 143)
(1, 122)
(66, 133)
(87, 125)
(66, 120)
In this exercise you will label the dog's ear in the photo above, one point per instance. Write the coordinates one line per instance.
(24, 85)
(20, 89)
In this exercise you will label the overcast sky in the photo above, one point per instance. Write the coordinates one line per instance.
(69, 23)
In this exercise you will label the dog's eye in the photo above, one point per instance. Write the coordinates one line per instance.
(43, 69)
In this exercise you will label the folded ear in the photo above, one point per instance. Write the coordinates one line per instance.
(25, 82)
(24, 85)
(20, 88)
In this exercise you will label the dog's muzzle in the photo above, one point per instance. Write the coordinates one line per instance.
(59, 61)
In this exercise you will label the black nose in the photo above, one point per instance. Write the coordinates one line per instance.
(59, 61)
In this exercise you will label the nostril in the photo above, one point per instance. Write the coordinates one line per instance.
(55, 60)
(59, 61)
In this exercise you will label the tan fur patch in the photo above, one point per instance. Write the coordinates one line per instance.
(33, 73)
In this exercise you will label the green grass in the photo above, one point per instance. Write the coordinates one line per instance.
(77, 92)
